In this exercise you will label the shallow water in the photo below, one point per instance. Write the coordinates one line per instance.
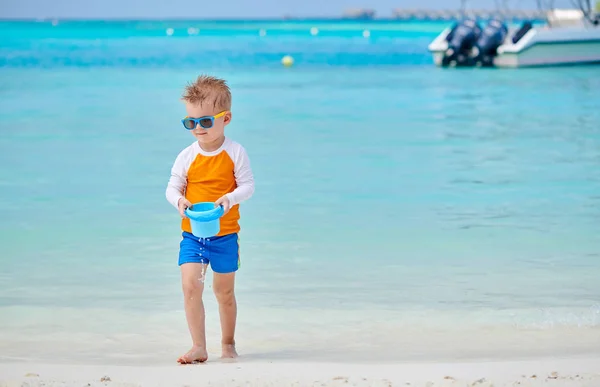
(401, 211)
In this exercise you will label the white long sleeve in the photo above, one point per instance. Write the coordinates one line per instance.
(178, 180)
(244, 178)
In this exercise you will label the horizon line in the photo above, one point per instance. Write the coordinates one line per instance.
(225, 19)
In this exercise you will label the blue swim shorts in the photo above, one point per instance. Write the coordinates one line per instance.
(222, 252)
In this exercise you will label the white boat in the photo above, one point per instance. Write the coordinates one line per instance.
(569, 36)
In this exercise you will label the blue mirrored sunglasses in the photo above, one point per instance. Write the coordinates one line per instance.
(205, 122)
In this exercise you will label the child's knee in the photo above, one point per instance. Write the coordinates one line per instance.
(192, 288)
(225, 296)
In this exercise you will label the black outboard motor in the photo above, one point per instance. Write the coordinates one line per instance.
(463, 38)
(487, 45)
(452, 30)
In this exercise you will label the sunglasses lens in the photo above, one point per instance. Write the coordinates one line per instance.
(206, 123)
(189, 124)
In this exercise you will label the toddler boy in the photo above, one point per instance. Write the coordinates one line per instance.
(212, 169)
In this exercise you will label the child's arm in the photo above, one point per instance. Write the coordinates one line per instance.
(244, 179)
(177, 182)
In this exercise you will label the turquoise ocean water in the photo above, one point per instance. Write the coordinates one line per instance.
(402, 212)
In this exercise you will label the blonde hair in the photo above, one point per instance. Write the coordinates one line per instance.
(208, 89)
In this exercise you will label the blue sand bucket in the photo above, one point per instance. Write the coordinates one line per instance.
(204, 218)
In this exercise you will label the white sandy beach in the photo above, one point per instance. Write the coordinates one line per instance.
(579, 372)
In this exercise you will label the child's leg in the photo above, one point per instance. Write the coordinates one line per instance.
(194, 312)
(223, 285)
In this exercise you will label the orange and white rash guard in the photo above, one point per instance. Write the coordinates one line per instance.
(202, 176)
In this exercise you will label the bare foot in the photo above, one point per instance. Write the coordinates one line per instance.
(194, 355)
(228, 351)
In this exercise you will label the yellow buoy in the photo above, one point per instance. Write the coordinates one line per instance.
(287, 61)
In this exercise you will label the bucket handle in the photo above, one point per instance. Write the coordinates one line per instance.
(205, 216)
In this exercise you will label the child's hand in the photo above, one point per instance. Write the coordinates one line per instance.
(183, 205)
(223, 201)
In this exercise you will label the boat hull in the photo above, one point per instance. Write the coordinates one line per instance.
(552, 48)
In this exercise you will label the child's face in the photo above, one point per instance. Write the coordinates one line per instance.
(214, 133)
